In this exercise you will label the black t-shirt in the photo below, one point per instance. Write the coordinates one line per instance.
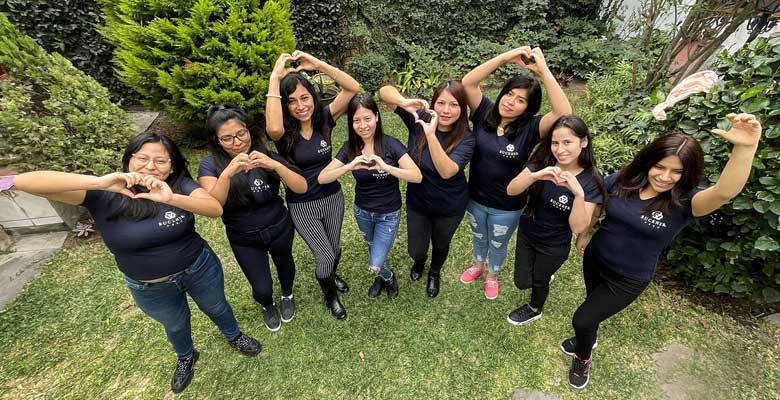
(497, 160)
(265, 207)
(436, 196)
(151, 248)
(376, 190)
(630, 241)
(549, 225)
(311, 157)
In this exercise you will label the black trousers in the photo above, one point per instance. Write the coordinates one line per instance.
(534, 265)
(423, 230)
(251, 250)
(608, 293)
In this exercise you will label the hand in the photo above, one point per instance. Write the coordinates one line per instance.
(359, 162)
(280, 68)
(239, 163)
(582, 242)
(258, 159)
(571, 183)
(430, 127)
(539, 65)
(551, 174)
(380, 163)
(119, 182)
(745, 130)
(412, 105)
(159, 191)
(514, 55)
(307, 61)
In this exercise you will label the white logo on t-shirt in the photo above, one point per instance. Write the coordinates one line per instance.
(510, 147)
(323, 143)
(563, 199)
(258, 182)
(170, 215)
(657, 215)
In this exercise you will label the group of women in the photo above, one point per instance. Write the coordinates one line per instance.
(145, 213)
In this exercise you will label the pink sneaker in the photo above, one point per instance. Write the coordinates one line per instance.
(491, 288)
(471, 274)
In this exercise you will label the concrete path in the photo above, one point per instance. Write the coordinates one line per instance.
(22, 265)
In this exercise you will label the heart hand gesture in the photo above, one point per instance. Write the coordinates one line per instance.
(570, 182)
(119, 182)
(159, 191)
(430, 127)
(548, 174)
(412, 105)
(258, 159)
(280, 68)
(359, 162)
(239, 163)
(307, 62)
(537, 64)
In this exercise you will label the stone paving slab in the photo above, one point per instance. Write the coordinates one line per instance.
(143, 119)
(22, 210)
(21, 266)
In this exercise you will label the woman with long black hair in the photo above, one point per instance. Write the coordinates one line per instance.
(245, 177)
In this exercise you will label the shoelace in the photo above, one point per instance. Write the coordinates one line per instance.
(181, 365)
(491, 283)
(581, 366)
(242, 341)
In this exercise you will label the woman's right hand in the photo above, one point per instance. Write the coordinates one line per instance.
(120, 182)
(359, 162)
(551, 174)
(514, 55)
(280, 68)
(412, 105)
(238, 164)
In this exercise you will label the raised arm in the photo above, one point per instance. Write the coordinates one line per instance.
(72, 188)
(392, 97)
(744, 134)
(441, 161)
(558, 100)
(474, 78)
(274, 117)
(349, 86)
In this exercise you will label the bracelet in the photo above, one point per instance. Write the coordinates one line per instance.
(274, 95)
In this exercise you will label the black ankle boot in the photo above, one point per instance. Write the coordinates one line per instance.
(417, 270)
(332, 297)
(433, 285)
(341, 285)
(392, 287)
(376, 287)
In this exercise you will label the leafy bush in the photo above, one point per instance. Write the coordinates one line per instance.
(737, 249)
(53, 115)
(70, 28)
(421, 74)
(188, 55)
(372, 70)
(321, 28)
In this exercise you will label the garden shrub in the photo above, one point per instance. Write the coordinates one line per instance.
(53, 115)
(185, 56)
(736, 249)
(70, 28)
(321, 28)
(372, 70)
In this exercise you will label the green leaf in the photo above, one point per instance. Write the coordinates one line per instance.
(755, 90)
(724, 124)
(773, 132)
(729, 246)
(771, 295)
(765, 196)
(742, 203)
(755, 104)
(760, 206)
(766, 243)
(688, 126)
(768, 180)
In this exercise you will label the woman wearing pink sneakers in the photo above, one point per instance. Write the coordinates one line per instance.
(506, 132)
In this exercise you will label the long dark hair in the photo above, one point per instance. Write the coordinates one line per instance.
(633, 178)
(534, 93)
(461, 126)
(543, 157)
(239, 194)
(292, 127)
(140, 209)
(354, 142)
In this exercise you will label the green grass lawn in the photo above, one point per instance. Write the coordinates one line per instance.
(75, 333)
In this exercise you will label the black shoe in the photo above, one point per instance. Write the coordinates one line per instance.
(246, 345)
(272, 318)
(569, 346)
(579, 373)
(417, 270)
(185, 370)
(392, 287)
(523, 315)
(332, 297)
(288, 308)
(341, 285)
(433, 285)
(376, 287)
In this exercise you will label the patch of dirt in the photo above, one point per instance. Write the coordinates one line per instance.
(27, 387)
(185, 135)
(671, 365)
(128, 309)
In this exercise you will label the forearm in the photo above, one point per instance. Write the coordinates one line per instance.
(390, 95)
(274, 120)
(329, 175)
(579, 220)
(347, 82)
(441, 161)
(292, 180)
(481, 72)
(51, 182)
(520, 183)
(412, 175)
(558, 100)
(736, 172)
(206, 206)
(221, 188)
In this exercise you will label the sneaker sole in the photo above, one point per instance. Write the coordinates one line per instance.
(274, 330)
(288, 320)
(196, 355)
(583, 385)
(491, 298)
(465, 282)
(572, 353)
(528, 321)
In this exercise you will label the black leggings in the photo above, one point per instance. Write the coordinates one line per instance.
(607, 294)
(534, 265)
(251, 251)
(422, 230)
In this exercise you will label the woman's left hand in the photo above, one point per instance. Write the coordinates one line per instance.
(571, 183)
(380, 163)
(159, 191)
(539, 64)
(261, 160)
(307, 61)
(745, 130)
(430, 127)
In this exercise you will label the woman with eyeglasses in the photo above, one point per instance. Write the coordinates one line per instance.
(146, 219)
(245, 177)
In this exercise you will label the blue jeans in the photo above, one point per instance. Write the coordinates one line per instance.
(491, 230)
(166, 302)
(379, 231)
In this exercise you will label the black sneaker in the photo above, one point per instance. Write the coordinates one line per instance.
(376, 288)
(272, 318)
(246, 345)
(579, 373)
(523, 315)
(569, 345)
(185, 370)
(288, 308)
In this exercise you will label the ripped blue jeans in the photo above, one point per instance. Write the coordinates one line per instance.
(491, 230)
(379, 231)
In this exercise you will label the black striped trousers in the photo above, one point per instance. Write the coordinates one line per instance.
(319, 224)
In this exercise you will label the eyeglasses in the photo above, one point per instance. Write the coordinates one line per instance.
(143, 159)
(229, 139)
